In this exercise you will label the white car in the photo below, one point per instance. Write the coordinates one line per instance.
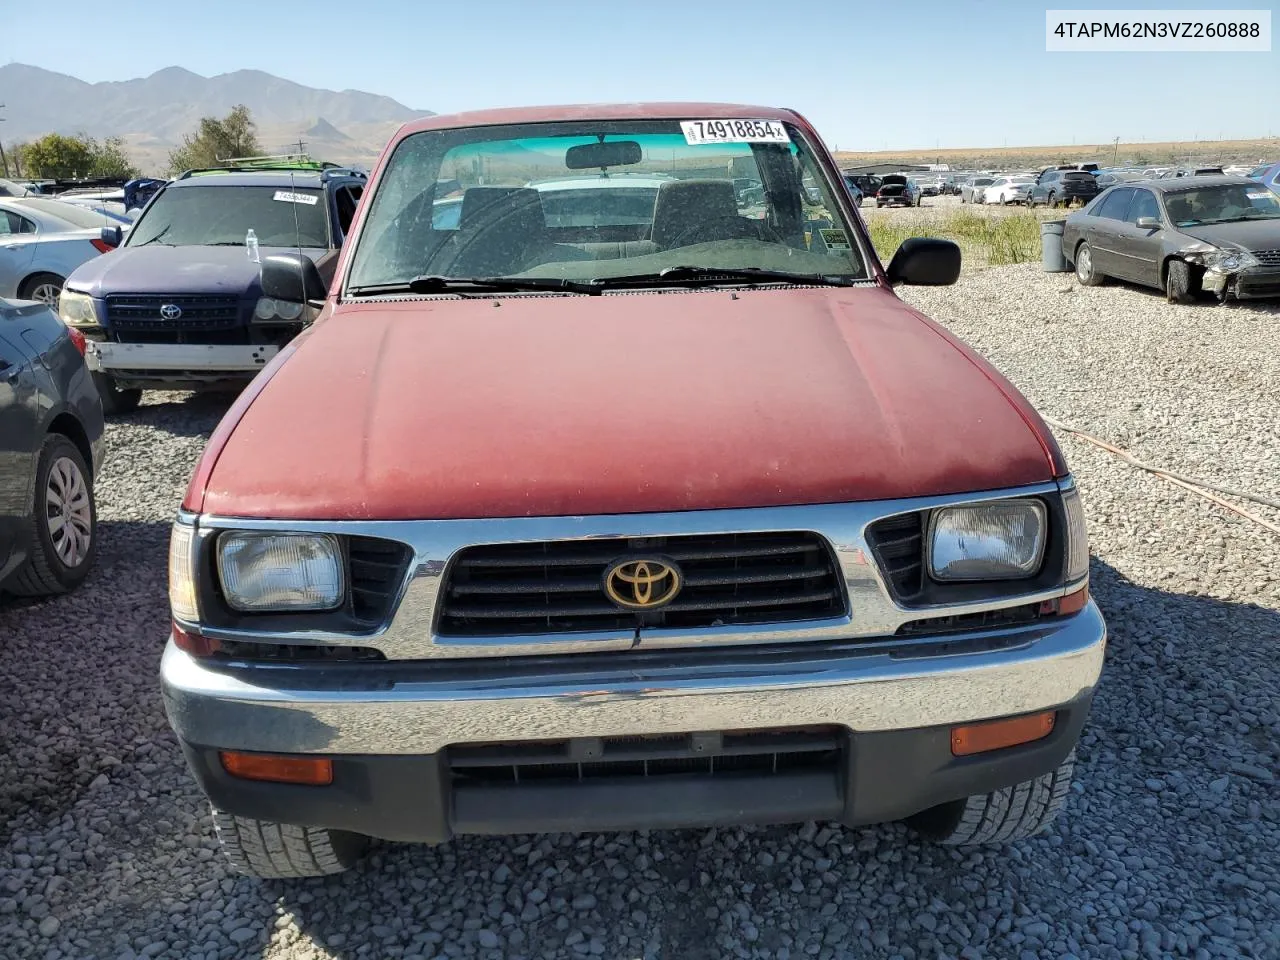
(1006, 190)
(42, 241)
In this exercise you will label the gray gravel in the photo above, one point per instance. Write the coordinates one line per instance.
(1168, 846)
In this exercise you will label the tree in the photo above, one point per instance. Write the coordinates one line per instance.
(219, 139)
(57, 156)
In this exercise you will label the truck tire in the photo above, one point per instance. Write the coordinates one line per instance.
(115, 400)
(281, 851)
(1002, 816)
(1177, 282)
(63, 541)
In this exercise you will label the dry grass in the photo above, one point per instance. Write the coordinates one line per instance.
(984, 239)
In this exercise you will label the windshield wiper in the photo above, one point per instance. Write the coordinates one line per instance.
(156, 238)
(713, 275)
(432, 283)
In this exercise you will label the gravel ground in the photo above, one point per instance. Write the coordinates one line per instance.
(1168, 846)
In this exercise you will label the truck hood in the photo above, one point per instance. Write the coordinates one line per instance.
(553, 406)
(157, 269)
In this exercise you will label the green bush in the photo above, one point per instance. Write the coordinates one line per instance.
(989, 240)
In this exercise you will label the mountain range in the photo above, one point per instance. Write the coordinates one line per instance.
(153, 113)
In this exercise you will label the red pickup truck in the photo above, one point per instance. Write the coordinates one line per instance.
(598, 497)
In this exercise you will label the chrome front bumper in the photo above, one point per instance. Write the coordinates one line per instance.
(108, 357)
(415, 708)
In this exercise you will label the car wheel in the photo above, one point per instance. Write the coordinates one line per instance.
(1052, 202)
(1085, 272)
(1002, 816)
(275, 851)
(64, 534)
(1177, 282)
(44, 287)
(114, 399)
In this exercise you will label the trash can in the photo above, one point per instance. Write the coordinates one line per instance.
(1051, 257)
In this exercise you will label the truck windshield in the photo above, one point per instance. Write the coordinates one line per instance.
(222, 216)
(598, 200)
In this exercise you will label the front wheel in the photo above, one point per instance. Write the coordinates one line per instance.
(1002, 816)
(64, 520)
(1085, 271)
(282, 851)
(114, 399)
(1177, 282)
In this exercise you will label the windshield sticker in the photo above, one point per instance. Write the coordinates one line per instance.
(698, 132)
(287, 197)
(1258, 194)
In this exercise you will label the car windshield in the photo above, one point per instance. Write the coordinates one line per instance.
(1259, 171)
(1222, 204)
(585, 201)
(191, 215)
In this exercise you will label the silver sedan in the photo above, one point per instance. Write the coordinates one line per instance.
(41, 241)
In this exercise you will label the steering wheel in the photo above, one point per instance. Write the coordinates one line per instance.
(739, 228)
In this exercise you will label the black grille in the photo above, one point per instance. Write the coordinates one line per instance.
(1271, 257)
(127, 312)
(769, 752)
(377, 570)
(982, 620)
(898, 543)
(557, 587)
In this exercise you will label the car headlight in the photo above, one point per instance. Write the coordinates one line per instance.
(270, 309)
(281, 572)
(1000, 540)
(1225, 261)
(76, 309)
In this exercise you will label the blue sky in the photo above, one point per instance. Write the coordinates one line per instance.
(964, 74)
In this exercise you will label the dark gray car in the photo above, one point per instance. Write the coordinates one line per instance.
(1219, 235)
(50, 450)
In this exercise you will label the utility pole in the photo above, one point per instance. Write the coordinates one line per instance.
(4, 161)
(1116, 152)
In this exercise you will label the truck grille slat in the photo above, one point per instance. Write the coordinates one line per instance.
(376, 569)
(558, 586)
(135, 318)
(898, 543)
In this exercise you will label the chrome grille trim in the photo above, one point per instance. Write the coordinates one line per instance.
(871, 611)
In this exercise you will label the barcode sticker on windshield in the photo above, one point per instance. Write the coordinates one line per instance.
(309, 199)
(733, 131)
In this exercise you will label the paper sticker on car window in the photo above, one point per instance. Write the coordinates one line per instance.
(1258, 194)
(733, 131)
(309, 199)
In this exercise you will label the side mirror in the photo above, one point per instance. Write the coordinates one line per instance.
(112, 236)
(925, 262)
(1148, 223)
(292, 277)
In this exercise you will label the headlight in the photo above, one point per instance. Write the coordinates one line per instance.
(269, 309)
(1001, 540)
(182, 584)
(282, 572)
(76, 309)
(1225, 261)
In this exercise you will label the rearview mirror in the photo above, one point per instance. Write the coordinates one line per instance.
(925, 262)
(588, 156)
(292, 277)
(112, 236)
(1148, 223)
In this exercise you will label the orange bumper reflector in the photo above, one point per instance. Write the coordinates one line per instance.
(998, 734)
(194, 643)
(312, 771)
(1065, 606)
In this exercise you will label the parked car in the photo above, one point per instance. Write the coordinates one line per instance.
(930, 186)
(970, 190)
(51, 450)
(1219, 235)
(897, 190)
(179, 306)
(868, 183)
(42, 242)
(1196, 172)
(437, 574)
(1007, 190)
(1062, 188)
(855, 191)
(1267, 174)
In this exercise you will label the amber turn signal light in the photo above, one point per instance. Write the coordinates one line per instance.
(1065, 606)
(311, 771)
(998, 734)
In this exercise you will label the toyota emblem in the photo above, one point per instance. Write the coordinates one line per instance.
(170, 311)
